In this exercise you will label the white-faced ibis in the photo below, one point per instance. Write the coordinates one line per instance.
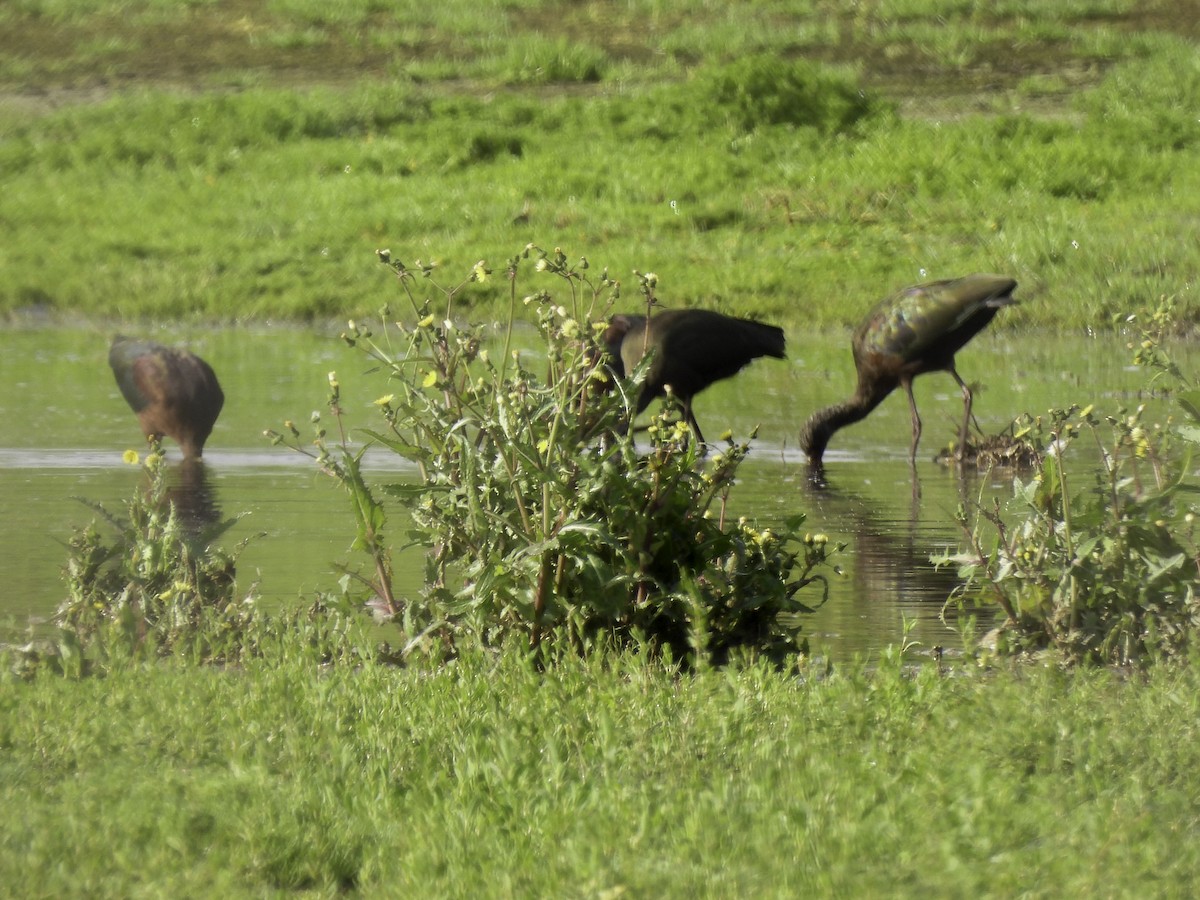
(692, 348)
(174, 393)
(915, 330)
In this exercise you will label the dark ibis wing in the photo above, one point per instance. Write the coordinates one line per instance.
(150, 375)
(199, 382)
(625, 340)
(140, 370)
(700, 346)
(935, 319)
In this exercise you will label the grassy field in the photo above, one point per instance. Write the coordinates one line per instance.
(599, 780)
(227, 160)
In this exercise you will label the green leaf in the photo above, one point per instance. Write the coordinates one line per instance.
(1190, 433)
(1160, 566)
(403, 490)
(1190, 402)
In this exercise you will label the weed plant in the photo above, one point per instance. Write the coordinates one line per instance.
(153, 586)
(761, 91)
(1101, 568)
(150, 584)
(541, 524)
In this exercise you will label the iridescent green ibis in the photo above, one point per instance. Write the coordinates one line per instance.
(914, 331)
(691, 349)
(174, 393)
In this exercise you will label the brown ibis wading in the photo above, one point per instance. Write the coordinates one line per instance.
(914, 331)
(174, 393)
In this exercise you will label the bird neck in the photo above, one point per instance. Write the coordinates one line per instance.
(822, 424)
(191, 444)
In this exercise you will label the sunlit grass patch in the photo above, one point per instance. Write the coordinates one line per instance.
(286, 776)
(759, 178)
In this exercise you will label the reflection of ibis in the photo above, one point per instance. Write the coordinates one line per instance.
(692, 348)
(916, 330)
(192, 495)
(174, 393)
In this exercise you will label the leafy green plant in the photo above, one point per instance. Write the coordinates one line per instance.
(1149, 99)
(153, 586)
(540, 522)
(535, 59)
(766, 90)
(1107, 570)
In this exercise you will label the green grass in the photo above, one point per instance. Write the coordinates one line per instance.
(487, 779)
(230, 161)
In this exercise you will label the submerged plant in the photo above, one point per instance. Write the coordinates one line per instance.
(539, 521)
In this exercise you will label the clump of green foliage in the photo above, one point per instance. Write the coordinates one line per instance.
(765, 90)
(536, 59)
(153, 586)
(1149, 101)
(1103, 568)
(542, 525)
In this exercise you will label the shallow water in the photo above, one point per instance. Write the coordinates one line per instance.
(67, 428)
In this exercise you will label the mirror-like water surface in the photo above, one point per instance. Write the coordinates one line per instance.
(67, 427)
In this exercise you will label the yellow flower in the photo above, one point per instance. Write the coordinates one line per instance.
(385, 401)
(430, 379)
(131, 457)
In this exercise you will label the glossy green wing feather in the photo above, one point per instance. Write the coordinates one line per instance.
(936, 318)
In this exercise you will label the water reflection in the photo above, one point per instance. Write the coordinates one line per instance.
(891, 556)
(890, 532)
(189, 490)
(890, 576)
